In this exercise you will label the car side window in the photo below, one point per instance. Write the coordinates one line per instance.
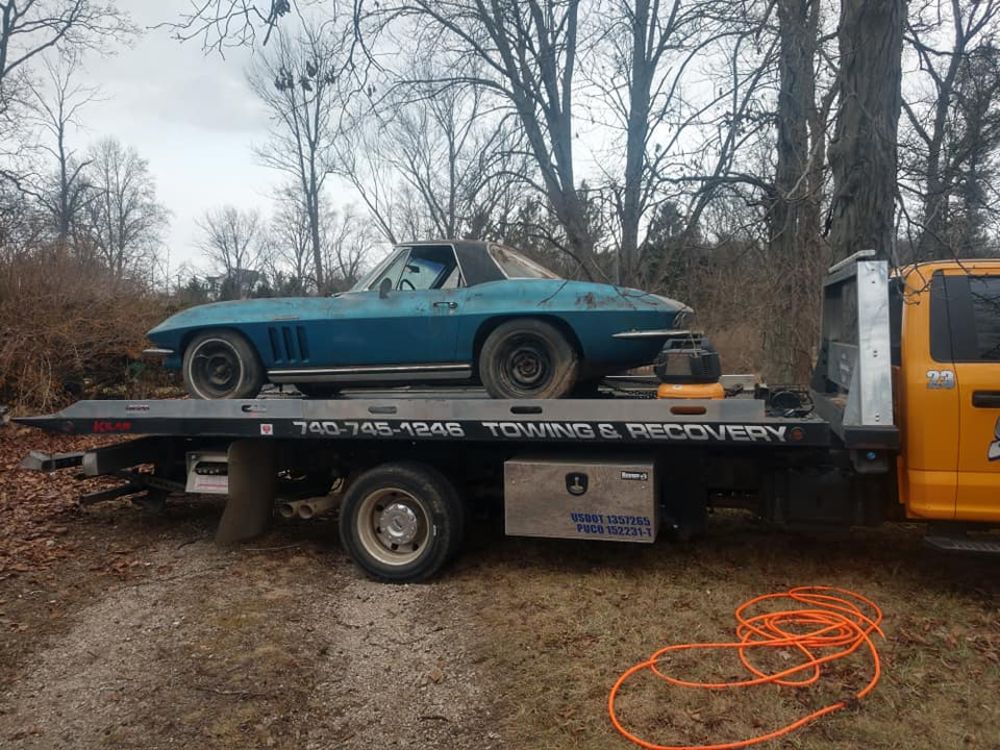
(430, 267)
(454, 280)
(392, 271)
(420, 273)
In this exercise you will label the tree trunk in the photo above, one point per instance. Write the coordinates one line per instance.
(863, 152)
(794, 244)
(635, 143)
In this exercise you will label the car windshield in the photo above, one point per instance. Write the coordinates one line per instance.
(516, 266)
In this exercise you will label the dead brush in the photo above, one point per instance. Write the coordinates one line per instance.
(69, 328)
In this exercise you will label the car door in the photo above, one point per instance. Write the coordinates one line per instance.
(408, 317)
(974, 307)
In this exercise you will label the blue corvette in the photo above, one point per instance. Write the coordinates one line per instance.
(431, 311)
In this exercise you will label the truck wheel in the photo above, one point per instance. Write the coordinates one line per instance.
(401, 522)
(221, 364)
(527, 358)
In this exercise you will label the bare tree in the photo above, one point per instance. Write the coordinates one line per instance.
(795, 248)
(528, 54)
(863, 152)
(951, 45)
(234, 243)
(30, 27)
(56, 104)
(126, 222)
(439, 162)
(291, 239)
(296, 81)
(730, 125)
(349, 245)
(221, 24)
(649, 46)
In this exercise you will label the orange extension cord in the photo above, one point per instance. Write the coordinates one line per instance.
(837, 627)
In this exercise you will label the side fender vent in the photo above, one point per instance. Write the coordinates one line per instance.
(288, 344)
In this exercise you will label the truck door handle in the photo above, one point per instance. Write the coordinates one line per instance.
(449, 305)
(986, 399)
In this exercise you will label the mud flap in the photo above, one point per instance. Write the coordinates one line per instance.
(252, 485)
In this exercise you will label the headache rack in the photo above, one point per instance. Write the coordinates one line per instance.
(851, 385)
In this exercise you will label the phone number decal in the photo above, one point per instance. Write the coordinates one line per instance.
(348, 428)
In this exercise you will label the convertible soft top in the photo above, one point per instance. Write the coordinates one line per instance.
(478, 266)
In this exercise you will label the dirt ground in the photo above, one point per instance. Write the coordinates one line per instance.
(121, 629)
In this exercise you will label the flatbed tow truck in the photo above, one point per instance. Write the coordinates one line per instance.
(900, 422)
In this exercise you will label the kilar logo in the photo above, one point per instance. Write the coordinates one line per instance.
(104, 425)
(576, 483)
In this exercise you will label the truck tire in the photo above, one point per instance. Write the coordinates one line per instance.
(221, 364)
(527, 358)
(401, 522)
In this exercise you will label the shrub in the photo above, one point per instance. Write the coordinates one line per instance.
(69, 328)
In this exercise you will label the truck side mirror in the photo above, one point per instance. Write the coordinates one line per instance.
(384, 287)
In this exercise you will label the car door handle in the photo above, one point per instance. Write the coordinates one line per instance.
(986, 399)
(449, 305)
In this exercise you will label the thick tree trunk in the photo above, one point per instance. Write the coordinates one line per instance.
(794, 246)
(863, 153)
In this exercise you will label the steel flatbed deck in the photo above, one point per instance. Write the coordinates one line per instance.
(433, 417)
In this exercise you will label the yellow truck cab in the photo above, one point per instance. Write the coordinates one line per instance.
(945, 327)
(921, 425)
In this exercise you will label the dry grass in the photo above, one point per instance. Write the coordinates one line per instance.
(69, 329)
(287, 646)
(564, 619)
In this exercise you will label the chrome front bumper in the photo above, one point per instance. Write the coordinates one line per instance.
(656, 333)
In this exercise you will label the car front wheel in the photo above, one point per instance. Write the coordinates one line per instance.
(527, 358)
(221, 364)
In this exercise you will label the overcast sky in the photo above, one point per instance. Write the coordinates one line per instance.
(190, 115)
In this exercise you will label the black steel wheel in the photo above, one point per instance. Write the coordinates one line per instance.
(527, 358)
(400, 522)
(221, 364)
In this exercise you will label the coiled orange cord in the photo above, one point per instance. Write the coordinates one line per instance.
(835, 621)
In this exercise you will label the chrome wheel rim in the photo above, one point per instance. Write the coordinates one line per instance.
(393, 526)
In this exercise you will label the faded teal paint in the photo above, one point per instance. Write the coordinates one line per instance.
(439, 325)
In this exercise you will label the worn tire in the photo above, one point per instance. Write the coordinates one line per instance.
(221, 364)
(527, 358)
(420, 510)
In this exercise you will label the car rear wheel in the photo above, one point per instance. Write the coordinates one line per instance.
(527, 358)
(222, 364)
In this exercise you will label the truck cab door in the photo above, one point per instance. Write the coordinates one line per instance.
(974, 309)
(927, 410)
